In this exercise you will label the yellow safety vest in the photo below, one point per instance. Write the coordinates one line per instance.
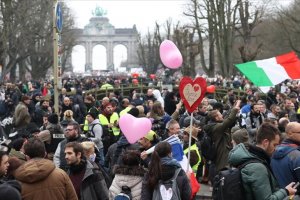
(125, 110)
(194, 147)
(114, 117)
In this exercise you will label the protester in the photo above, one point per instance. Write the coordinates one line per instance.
(87, 179)
(163, 167)
(128, 174)
(39, 177)
(257, 177)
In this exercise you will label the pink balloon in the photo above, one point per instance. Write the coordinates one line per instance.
(170, 54)
(134, 128)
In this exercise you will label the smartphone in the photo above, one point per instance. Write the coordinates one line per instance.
(296, 185)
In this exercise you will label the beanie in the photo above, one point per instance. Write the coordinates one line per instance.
(134, 112)
(93, 113)
(53, 118)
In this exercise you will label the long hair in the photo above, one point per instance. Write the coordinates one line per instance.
(161, 150)
(157, 110)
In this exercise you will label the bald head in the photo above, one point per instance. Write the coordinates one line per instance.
(292, 127)
(293, 131)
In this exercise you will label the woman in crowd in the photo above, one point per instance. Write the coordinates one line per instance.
(128, 176)
(163, 168)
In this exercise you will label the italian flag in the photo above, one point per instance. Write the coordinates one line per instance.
(272, 71)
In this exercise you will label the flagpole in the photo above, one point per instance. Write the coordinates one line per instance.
(190, 143)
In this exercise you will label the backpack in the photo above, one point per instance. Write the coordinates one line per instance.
(228, 183)
(125, 194)
(167, 190)
(91, 132)
(208, 147)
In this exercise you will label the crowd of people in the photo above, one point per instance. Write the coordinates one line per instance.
(79, 152)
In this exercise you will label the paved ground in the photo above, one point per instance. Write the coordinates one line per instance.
(204, 193)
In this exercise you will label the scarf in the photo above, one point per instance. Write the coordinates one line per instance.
(75, 169)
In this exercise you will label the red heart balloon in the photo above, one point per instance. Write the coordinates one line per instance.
(211, 89)
(192, 92)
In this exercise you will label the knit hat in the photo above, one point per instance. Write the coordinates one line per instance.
(240, 136)
(93, 113)
(150, 136)
(53, 118)
(134, 112)
(194, 132)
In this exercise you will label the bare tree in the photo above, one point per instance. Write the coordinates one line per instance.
(26, 33)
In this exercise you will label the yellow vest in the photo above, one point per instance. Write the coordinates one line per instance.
(194, 147)
(125, 110)
(104, 121)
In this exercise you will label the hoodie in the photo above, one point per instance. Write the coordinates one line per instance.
(285, 162)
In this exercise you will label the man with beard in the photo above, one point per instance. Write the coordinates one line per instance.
(72, 133)
(43, 110)
(257, 176)
(87, 179)
(219, 130)
(66, 105)
(109, 121)
(253, 121)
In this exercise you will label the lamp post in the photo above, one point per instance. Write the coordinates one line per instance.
(57, 27)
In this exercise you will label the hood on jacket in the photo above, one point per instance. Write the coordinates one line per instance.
(34, 170)
(283, 149)
(239, 154)
(96, 121)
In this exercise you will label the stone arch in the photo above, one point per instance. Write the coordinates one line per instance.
(78, 58)
(99, 57)
(120, 55)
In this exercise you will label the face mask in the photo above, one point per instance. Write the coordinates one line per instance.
(92, 157)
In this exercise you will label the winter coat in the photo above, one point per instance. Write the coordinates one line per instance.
(285, 163)
(258, 180)
(168, 172)
(93, 186)
(41, 180)
(220, 133)
(127, 176)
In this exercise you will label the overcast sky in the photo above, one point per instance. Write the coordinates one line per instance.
(126, 13)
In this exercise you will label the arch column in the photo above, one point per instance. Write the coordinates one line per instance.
(88, 56)
(110, 56)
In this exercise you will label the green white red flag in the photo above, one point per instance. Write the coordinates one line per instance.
(272, 71)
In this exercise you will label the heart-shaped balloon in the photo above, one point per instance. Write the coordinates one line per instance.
(192, 92)
(170, 54)
(134, 128)
(211, 89)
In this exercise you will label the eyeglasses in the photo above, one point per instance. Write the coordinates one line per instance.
(69, 129)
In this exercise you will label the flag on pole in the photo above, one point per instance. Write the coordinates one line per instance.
(272, 71)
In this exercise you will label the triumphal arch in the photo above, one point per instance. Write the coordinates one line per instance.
(100, 32)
